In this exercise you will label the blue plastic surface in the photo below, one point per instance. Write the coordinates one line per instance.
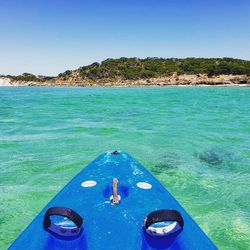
(108, 226)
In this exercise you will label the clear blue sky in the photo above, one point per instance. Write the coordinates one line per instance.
(50, 36)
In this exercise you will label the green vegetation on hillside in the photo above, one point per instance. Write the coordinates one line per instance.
(135, 68)
(151, 67)
(27, 77)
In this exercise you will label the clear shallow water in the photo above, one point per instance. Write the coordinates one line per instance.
(196, 141)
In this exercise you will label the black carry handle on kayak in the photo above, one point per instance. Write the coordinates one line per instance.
(61, 230)
(163, 215)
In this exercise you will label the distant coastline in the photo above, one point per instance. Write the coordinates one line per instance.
(183, 80)
(148, 72)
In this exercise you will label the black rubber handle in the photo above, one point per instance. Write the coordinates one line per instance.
(163, 215)
(61, 211)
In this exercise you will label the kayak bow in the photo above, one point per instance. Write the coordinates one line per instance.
(113, 203)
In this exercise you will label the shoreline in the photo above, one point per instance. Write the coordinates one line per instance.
(161, 82)
(133, 86)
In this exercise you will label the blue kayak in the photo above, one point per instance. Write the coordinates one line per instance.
(113, 203)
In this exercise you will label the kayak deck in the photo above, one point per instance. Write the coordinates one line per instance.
(109, 226)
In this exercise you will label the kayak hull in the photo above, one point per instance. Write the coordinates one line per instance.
(108, 226)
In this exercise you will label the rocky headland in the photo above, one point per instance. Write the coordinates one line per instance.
(133, 72)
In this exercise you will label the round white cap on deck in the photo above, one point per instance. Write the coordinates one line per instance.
(89, 183)
(144, 185)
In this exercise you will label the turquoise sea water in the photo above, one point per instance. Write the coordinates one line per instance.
(196, 141)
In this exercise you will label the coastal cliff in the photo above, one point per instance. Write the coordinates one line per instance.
(173, 80)
(127, 72)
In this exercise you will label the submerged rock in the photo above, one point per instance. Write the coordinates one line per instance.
(211, 158)
(160, 168)
(167, 164)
